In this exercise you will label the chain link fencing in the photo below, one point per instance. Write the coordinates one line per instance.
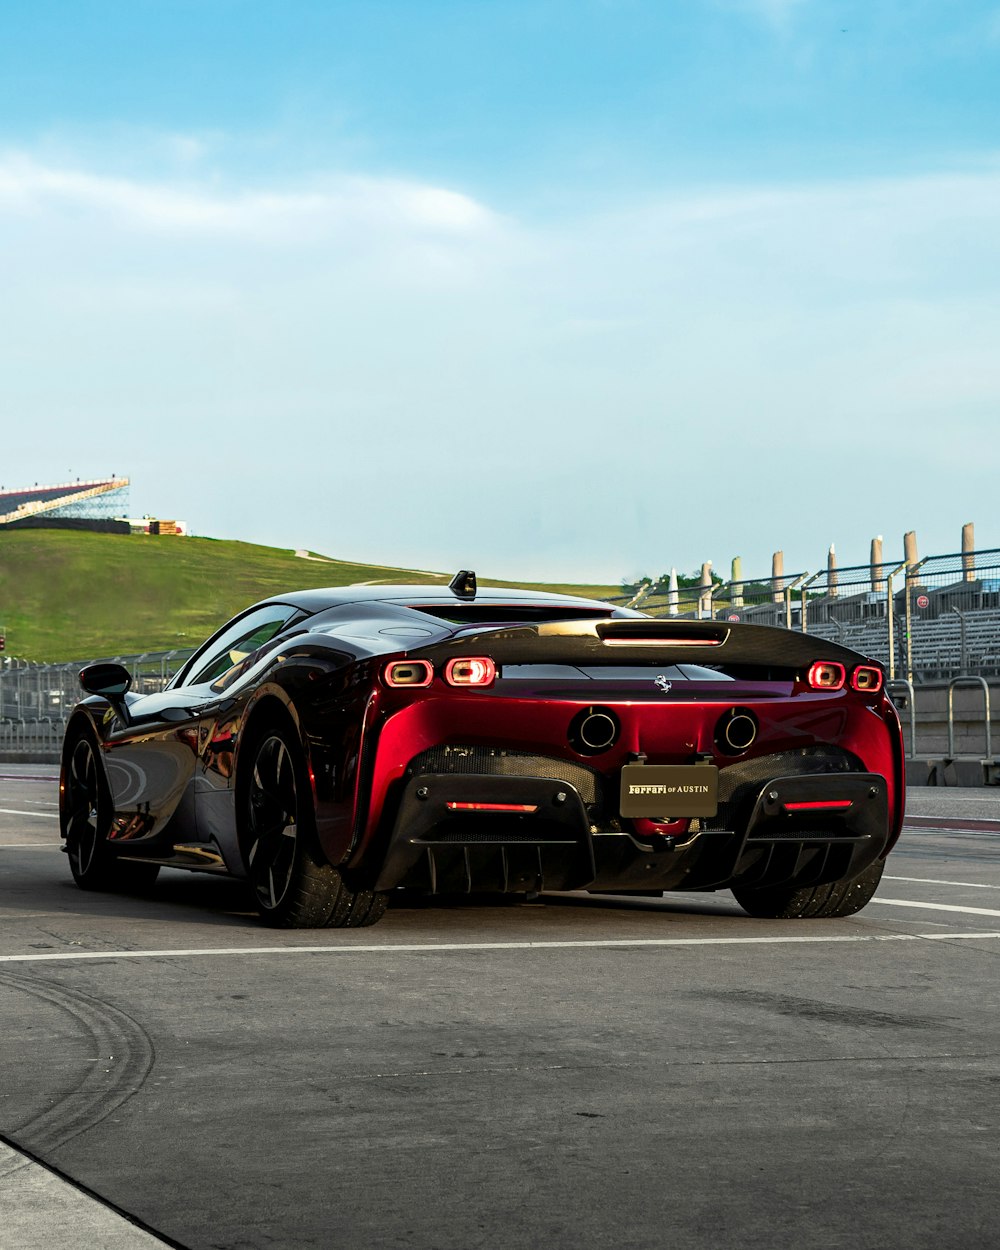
(933, 620)
(36, 699)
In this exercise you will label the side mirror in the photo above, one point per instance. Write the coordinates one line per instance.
(111, 682)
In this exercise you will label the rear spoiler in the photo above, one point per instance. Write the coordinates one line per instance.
(643, 641)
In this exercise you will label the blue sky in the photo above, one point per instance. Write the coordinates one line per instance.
(574, 290)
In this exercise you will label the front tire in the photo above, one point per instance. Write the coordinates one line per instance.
(294, 886)
(85, 813)
(836, 898)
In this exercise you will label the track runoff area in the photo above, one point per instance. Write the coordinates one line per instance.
(573, 1072)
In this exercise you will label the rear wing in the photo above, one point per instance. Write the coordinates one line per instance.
(643, 641)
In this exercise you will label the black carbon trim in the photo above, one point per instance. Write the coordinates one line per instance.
(741, 782)
(500, 762)
(648, 640)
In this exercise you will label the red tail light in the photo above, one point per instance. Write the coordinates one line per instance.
(867, 677)
(414, 673)
(476, 670)
(827, 675)
(492, 807)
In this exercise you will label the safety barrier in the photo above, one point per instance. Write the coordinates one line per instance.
(36, 699)
(970, 681)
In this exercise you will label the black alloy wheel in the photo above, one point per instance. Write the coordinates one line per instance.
(85, 818)
(294, 886)
(273, 825)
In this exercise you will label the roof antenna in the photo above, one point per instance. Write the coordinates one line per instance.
(463, 584)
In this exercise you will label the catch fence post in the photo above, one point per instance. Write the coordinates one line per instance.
(788, 597)
(963, 649)
(911, 573)
(803, 626)
(889, 619)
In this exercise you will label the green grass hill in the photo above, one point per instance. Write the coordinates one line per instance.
(69, 595)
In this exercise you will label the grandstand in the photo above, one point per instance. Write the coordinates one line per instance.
(95, 505)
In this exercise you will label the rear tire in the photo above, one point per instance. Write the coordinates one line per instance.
(294, 886)
(837, 898)
(367, 908)
(85, 814)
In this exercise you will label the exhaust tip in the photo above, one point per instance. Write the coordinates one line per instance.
(737, 731)
(594, 730)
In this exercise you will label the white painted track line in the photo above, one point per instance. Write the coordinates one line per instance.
(431, 947)
(968, 885)
(13, 811)
(969, 911)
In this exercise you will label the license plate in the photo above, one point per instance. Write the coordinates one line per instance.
(669, 790)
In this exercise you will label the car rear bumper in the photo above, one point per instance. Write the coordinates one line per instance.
(482, 832)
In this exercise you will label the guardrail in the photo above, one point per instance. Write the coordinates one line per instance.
(970, 681)
(31, 738)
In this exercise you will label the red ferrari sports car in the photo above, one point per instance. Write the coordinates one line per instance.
(331, 746)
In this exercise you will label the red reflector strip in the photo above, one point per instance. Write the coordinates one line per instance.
(821, 803)
(492, 807)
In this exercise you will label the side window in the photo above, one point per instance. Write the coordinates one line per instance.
(246, 635)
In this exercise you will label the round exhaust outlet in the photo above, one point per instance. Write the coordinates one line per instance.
(594, 730)
(736, 731)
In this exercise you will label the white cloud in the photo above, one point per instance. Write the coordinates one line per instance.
(392, 370)
(332, 204)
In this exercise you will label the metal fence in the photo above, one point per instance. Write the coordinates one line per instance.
(36, 699)
(934, 619)
(770, 601)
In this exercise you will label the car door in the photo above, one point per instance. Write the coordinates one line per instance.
(218, 681)
(155, 764)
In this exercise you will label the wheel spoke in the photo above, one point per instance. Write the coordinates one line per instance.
(82, 805)
(273, 822)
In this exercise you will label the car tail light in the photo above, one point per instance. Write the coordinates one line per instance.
(827, 675)
(408, 673)
(492, 807)
(476, 670)
(866, 677)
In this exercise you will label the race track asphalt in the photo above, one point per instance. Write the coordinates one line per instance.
(572, 1073)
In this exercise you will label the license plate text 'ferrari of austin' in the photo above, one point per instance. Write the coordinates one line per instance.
(332, 747)
(669, 790)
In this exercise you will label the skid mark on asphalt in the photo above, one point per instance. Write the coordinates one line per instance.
(122, 1058)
